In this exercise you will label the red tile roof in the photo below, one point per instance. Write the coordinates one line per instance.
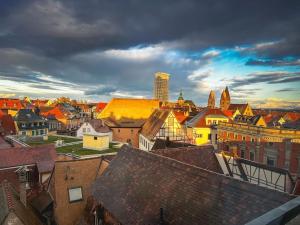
(27, 155)
(180, 116)
(7, 103)
(100, 106)
(292, 116)
(7, 124)
(228, 112)
(200, 121)
(56, 112)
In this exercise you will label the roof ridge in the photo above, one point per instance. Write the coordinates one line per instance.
(7, 195)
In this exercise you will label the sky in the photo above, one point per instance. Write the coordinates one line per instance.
(96, 50)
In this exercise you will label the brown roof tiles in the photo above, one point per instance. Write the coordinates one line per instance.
(153, 124)
(11, 157)
(137, 184)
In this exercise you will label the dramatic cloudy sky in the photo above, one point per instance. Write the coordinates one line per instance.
(96, 50)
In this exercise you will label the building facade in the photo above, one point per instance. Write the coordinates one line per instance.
(30, 124)
(199, 128)
(271, 146)
(161, 86)
(162, 124)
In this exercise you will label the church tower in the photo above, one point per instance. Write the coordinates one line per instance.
(211, 100)
(180, 100)
(225, 99)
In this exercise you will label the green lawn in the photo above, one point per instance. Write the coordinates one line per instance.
(78, 150)
(52, 139)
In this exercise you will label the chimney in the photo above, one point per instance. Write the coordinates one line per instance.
(24, 175)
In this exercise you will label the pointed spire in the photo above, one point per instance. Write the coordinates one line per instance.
(211, 100)
(180, 95)
(225, 99)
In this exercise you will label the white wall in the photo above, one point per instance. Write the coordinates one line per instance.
(86, 128)
(145, 144)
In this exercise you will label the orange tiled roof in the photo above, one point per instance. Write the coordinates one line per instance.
(7, 123)
(293, 115)
(199, 119)
(228, 112)
(7, 103)
(100, 106)
(57, 112)
(180, 116)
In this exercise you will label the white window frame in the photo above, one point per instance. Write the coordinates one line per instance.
(75, 194)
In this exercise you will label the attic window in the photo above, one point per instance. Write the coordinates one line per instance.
(75, 194)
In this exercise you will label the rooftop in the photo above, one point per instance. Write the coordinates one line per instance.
(137, 184)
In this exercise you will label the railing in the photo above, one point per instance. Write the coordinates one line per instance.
(260, 130)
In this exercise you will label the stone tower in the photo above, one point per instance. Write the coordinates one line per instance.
(211, 100)
(161, 86)
(225, 99)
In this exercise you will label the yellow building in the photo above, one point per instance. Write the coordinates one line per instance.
(96, 141)
(199, 128)
(129, 108)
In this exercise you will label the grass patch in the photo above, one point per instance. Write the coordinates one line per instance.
(51, 140)
(79, 150)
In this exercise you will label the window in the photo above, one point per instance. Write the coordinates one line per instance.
(209, 136)
(84, 130)
(88, 130)
(235, 136)
(119, 130)
(242, 153)
(33, 133)
(95, 138)
(271, 161)
(198, 135)
(131, 131)
(252, 155)
(244, 138)
(162, 132)
(75, 194)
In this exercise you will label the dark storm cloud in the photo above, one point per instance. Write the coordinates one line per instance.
(71, 41)
(61, 28)
(287, 90)
(273, 62)
(266, 77)
(101, 91)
